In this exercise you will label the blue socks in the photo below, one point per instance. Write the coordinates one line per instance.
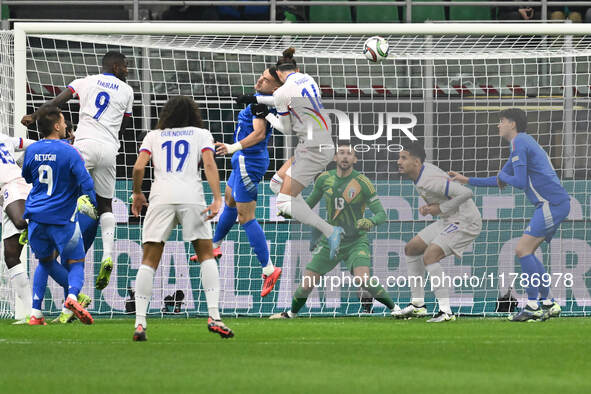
(529, 266)
(257, 240)
(76, 278)
(227, 220)
(39, 286)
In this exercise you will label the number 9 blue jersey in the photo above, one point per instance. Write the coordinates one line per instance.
(57, 173)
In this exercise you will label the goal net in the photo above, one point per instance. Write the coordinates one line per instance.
(447, 89)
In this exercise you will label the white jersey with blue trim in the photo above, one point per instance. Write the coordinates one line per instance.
(300, 99)
(176, 154)
(9, 170)
(435, 187)
(543, 184)
(104, 101)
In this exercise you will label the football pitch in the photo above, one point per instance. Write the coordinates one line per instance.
(318, 355)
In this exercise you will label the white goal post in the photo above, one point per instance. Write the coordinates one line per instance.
(453, 78)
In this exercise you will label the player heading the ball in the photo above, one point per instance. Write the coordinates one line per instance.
(176, 147)
(300, 111)
(106, 103)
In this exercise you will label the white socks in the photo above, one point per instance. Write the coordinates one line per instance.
(22, 287)
(269, 268)
(533, 304)
(441, 291)
(275, 183)
(210, 280)
(416, 281)
(144, 281)
(107, 221)
(297, 208)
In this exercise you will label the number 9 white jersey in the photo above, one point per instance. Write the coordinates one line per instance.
(104, 101)
(176, 154)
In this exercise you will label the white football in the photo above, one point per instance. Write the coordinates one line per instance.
(375, 49)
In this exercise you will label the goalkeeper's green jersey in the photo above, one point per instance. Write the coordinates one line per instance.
(346, 200)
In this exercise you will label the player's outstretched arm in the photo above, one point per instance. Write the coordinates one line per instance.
(61, 98)
(139, 168)
(473, 181)
(213, 178)
(259, 131)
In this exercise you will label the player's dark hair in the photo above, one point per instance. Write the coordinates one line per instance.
(287, 62)
(416, 149)
(273, 72)
(179, 111)
(111, 58)
(516, 115)
(47, 117)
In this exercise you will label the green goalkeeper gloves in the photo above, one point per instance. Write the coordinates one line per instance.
(364, 224)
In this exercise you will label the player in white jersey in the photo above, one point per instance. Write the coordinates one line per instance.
(176, 147)
(458, 225)
(14, 191)
(106, 103)
(300, 112)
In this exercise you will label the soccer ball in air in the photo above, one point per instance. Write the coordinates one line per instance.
(375, 49)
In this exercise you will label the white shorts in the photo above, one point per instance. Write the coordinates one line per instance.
(449, 236)
(162, 218)
(309, 161)
(15, 190)
(101, 163)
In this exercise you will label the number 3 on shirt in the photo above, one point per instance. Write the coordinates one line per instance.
(101, 102)
(181, 151)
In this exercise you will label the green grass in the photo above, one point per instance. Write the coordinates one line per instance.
(321, 355)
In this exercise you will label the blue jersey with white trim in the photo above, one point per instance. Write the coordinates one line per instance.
(244, 127)
(542, 183)
(59, 177)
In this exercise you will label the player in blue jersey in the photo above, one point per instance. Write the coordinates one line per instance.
(56, 171)
(529, 168)
(250, 161)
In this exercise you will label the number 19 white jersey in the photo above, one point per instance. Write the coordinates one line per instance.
(104, 101)
(176, 154)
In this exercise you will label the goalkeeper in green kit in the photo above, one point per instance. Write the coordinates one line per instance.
(347, 194)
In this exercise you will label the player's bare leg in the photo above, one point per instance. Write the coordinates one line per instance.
(414, 251)
(107, 223)
(290, 202)
(310, 280)
(210, 280)
(12, 252)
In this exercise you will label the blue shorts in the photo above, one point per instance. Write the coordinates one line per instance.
(246, 174)
(546, 219)
(65, 238)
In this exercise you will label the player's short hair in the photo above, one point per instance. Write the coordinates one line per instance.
(112, 58)
(273, 72)
(47, 117)
(180, 111)
(416, 149)
(516, 115)
(287, 62)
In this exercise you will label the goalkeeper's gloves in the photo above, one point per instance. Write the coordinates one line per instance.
(24, 237)
(259, 110)
(86, 207)
(246, 99)
(364, 224)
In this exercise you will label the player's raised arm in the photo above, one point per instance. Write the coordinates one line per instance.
(60, 99)
(213, 178)
(259, 133)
